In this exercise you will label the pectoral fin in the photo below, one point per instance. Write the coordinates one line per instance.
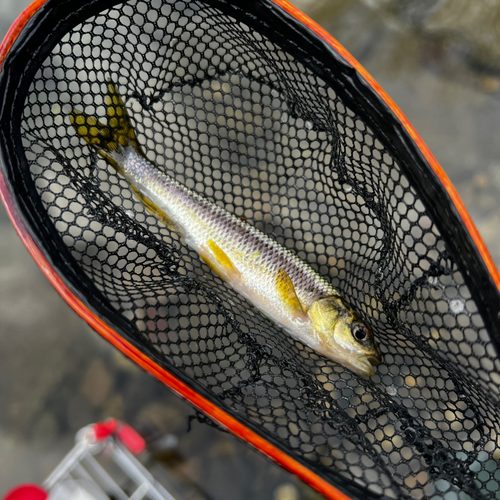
(219, 262)
(287, 294)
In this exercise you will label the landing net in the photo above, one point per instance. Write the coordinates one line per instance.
(245, 106)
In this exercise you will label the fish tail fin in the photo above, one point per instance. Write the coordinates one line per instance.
(108, 139)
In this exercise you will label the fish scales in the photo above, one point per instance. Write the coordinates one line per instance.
(253, 253)
(274, 279)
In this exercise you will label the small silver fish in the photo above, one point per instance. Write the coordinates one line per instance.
(272, 278)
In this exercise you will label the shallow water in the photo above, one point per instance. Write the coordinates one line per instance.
(437, 60)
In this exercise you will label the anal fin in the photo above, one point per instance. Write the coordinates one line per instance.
(219, 262)
(153, 209)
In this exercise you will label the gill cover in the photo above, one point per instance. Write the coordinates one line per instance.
(338, 329)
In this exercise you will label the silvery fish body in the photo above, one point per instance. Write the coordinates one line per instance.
(255, 262)
(274, 279)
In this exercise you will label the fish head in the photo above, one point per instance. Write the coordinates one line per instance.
(343, 336)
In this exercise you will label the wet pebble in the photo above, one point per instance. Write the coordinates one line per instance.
(286, 491)
(97, 383)
(457, 306)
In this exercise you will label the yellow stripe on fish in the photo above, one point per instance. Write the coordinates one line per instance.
(272, 278)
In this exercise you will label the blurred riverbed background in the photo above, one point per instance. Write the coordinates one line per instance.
(438, 60)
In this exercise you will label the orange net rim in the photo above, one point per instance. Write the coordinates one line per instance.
(134, 354)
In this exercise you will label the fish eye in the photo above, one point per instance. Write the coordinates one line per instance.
(360, 332)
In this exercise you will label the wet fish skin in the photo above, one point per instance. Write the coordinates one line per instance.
(274, 279)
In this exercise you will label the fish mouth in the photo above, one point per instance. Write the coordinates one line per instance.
(374, 360)
(362, 364)
(365, 365)
(365, 368)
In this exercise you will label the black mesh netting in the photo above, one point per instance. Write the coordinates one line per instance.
(250, 122)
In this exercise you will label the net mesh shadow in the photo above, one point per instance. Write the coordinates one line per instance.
(245, 122)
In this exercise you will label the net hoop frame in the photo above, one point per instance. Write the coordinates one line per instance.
(221, 417)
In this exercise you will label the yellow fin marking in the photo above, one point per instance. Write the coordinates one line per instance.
(223, 262)
(111, 137)
(153, 209)
(287, 294)
(206, 259)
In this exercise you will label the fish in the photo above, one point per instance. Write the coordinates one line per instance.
(271, 277)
